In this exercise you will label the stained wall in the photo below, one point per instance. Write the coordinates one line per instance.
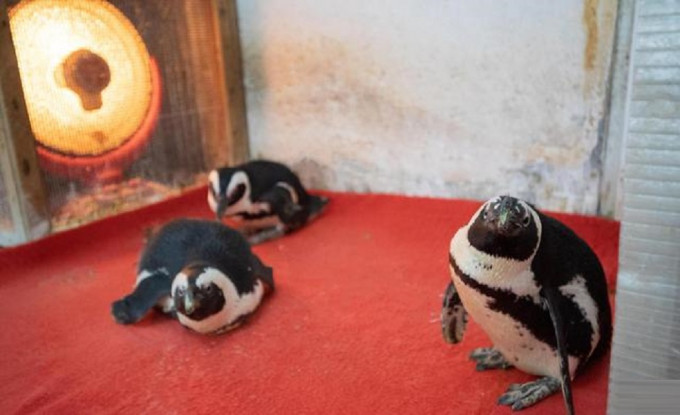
(437, 98)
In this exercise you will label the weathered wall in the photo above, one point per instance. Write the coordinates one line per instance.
(439, 98)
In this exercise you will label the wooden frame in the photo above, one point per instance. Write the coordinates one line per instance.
(236, 121)
(18, 160)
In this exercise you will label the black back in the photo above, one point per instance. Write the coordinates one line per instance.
(562, 255)
(264, 175)
(186, 241)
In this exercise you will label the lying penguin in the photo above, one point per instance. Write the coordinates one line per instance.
(536, 289)
(201, 272)
(266, 197)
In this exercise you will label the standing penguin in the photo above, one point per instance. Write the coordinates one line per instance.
(266, 197)
(202, 272)
(536, 289)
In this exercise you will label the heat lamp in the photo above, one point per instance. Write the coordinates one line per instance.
(92, 91)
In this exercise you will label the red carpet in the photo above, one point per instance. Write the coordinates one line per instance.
(352, 329)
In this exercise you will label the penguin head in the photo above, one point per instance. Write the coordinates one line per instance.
(198, 292)
(507, 227)
(228, 189)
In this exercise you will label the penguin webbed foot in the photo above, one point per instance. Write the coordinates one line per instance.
(266, 234)
(489, 358)
(522, 395)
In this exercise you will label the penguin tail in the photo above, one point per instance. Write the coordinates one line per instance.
(317, 204)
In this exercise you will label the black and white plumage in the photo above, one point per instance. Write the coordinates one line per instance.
(266, 197)
(202, 272)
(536, 289)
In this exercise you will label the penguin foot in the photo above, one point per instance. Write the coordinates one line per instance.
(489, 358)
(265, 235)
(519, 396)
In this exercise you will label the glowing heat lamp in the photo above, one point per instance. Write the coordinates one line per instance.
(92, 91)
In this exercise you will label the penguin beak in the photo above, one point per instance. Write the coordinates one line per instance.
(189, 303)
(222, 206)
(503, 217)
(508, 219)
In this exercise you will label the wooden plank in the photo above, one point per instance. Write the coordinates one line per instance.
(23, 179)
(233, 78)
(174, 154)
(207, 72)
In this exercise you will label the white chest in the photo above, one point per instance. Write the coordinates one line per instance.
(517, 344)
(514, 341)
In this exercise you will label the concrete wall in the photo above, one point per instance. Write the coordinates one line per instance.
(438, 98)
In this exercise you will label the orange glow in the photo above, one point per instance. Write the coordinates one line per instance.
(85, 73)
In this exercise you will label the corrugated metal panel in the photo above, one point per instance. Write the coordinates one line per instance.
(647, 329)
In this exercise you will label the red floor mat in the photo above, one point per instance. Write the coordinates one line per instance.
(352, 329)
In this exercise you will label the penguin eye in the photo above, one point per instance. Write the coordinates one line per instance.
(209, 289)
(526, 221)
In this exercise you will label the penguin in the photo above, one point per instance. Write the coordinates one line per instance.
(201, 272)
(266, 197)
(537, 290)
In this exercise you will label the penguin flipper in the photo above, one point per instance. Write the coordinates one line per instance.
(133, 307)
(551, 299)
(317, 204)
(292, 215)
(263, 272)
(453, 316)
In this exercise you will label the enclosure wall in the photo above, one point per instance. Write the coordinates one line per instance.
(438, 98)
